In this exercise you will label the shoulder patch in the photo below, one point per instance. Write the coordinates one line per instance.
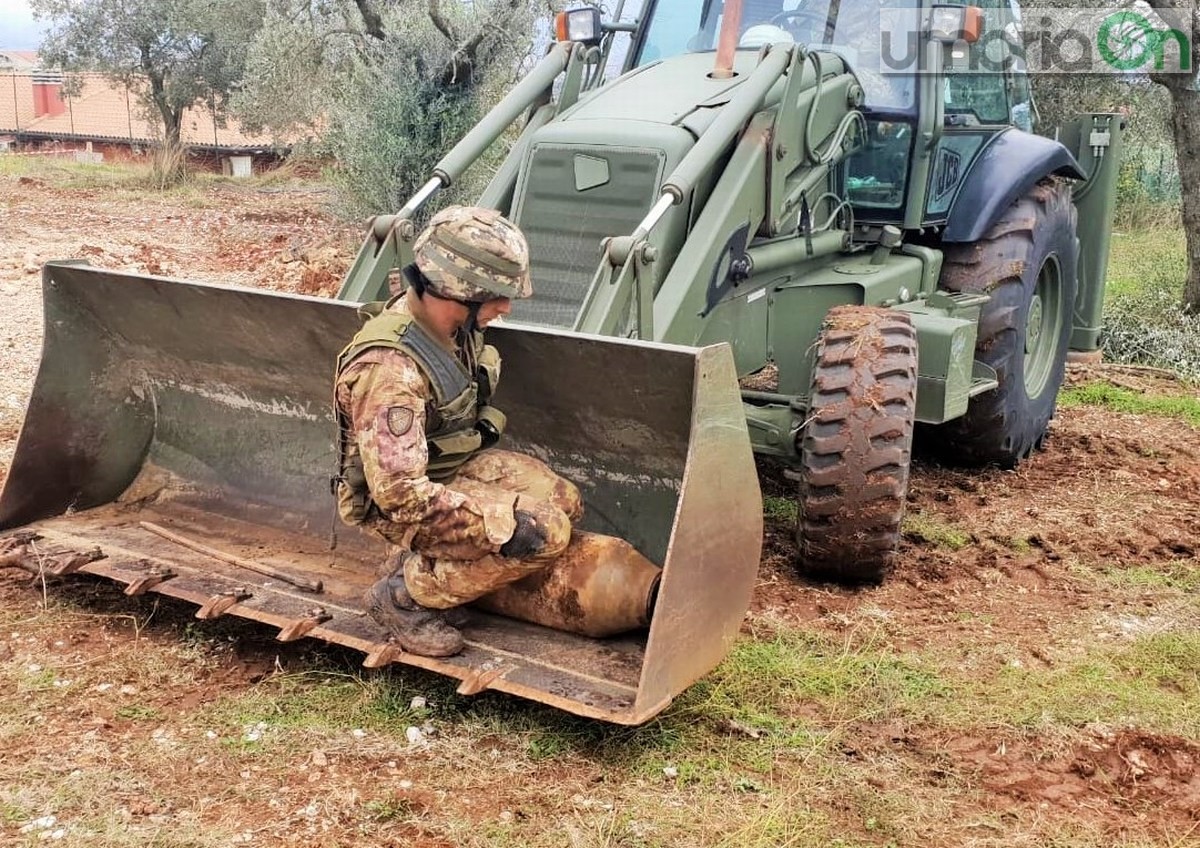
(399, 420)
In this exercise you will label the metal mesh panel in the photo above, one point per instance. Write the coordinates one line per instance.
(564, 225)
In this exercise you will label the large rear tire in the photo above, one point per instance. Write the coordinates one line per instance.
(857, 444)
(1028, 263)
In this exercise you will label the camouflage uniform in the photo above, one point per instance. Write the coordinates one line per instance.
(459, 523)
(456, 508)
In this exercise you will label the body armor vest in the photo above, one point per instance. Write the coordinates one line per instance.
(460, 393)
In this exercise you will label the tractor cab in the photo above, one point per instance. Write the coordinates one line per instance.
(920, 78)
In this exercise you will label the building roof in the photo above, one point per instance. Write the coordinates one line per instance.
(107, 111)
(19, 60)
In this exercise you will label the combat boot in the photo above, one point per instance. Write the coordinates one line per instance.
(419, 630)
(395, 563)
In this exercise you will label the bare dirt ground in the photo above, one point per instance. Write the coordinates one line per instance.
(1112, 493)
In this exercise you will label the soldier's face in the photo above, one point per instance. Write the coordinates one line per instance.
(493, 309)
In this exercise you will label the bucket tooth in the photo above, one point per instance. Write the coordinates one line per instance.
(482, 679)
(154, 575)
(381, 654)
(301, 627)
(15, 548)
(219, 604)
(62, 563)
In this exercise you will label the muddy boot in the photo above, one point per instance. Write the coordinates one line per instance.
(418, 630)
(457, 616)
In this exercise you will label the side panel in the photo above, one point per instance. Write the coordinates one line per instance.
(1099, 142)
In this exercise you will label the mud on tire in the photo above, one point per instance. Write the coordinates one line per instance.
(857, 444)
(1028, 263)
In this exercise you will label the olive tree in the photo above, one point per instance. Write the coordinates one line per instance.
(385, 86)
(172, 53)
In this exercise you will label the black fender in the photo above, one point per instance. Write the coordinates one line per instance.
(1008, 166)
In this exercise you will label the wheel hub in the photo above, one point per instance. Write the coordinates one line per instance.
(1042, 324)
(1033, 328)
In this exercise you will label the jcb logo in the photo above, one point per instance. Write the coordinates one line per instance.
(945, 176)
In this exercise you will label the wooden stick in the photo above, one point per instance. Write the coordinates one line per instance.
(299, 582)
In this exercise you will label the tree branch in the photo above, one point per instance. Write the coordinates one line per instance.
(371, 19)
(443, 25)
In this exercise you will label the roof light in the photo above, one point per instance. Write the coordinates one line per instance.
(580, 24)
(956, 23)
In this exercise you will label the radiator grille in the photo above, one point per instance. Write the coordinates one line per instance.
(564, 225)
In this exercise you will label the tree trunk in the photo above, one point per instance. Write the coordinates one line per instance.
(1185, 123)
(168, 164)
(1185, 127)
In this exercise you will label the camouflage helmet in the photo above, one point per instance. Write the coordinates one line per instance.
(472, 254)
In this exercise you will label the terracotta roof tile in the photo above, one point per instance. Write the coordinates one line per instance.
(106, 110)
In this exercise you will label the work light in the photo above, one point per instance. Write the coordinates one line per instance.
(580, 24)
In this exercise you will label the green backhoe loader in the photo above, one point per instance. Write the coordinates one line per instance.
(755, 225)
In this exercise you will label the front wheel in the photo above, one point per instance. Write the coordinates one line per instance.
(857, 444)
(1027, 262)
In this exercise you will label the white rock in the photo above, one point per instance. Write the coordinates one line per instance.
(405, 784)
(671, 771)
(128, 690)
(506, 816)
(103, 687)
(43, 823)
(210, 734)
(33, 668)
(319, 759)
(414, 735)
(358, 733)
(418, 703)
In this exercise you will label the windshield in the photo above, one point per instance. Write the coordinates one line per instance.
(860, 31)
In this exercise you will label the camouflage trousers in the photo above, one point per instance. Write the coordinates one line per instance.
(445, 575)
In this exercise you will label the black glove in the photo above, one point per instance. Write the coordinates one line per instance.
(528, 539)
(488, 433)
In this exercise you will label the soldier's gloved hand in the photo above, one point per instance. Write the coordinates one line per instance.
(488, 433)
(527, 540)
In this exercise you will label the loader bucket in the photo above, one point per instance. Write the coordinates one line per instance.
(179, 440)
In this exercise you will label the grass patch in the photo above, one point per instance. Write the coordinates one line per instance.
(194, 190)
(322, 701)
(781, 510)
(923, 528)
(763, 681)
(1123, 400)
(1153, 257)
(1180, 575)
(138, 712)
(1149, 683)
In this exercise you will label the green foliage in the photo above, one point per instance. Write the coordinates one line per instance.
(389, 89)
(387, 151)
(1124, 400)
(1143, 320)
(1150, 327)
